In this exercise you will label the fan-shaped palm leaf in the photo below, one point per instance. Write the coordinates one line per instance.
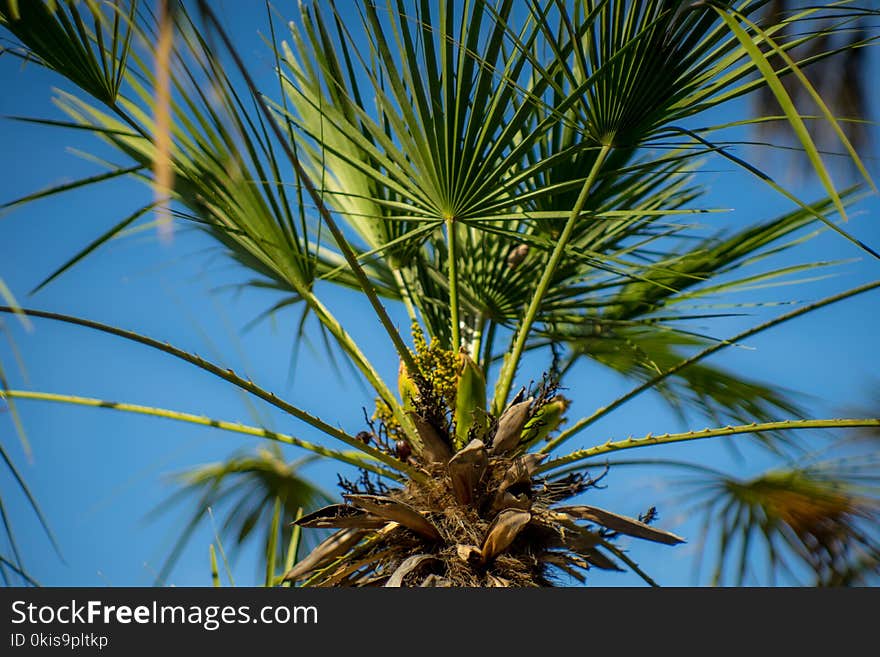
(242, 492)
(821, 516)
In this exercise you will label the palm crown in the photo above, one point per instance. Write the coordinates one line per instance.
(519, 177)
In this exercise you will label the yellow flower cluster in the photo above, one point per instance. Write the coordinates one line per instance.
(439, 368)
(384, 415)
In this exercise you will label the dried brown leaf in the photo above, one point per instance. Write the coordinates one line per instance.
(400, 512)
(341, 516)
(510, 427)
(434, 448)
(531, 461)
(622, 524)
(502, 532)
(334, 546)
(466, 469)
(410, 564)
(599, 560)
(436, 581)
(470, 554)
(497, 582)
(507, 500)
(519, 472)
(566, 563)
(347, 572)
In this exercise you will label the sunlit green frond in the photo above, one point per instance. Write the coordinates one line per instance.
(717, 394)
(706, 260)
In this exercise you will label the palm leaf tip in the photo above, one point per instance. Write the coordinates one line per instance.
(821, 516)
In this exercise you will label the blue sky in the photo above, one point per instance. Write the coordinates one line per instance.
(97, 473)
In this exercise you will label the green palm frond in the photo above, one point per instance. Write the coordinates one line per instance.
(88, 43)
(718, 394)
(819, 518)
(396, 151)
(841, 80)
(241, 492)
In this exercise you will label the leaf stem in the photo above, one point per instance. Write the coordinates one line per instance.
(208, 422)
(477, 340)
(364, 283)
(620, 554)
(668, 438)
(508, 370)
(455, 334)
(580, 425)
(227, 375)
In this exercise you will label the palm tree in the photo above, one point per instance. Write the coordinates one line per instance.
(518, 177)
